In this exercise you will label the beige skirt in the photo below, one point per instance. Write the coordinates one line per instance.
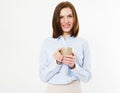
(73, 87)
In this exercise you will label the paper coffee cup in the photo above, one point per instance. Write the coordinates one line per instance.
(66, 51)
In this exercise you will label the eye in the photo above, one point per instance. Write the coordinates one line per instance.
(61, 17)
(70, 15)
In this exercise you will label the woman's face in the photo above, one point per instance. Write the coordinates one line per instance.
(66, 20)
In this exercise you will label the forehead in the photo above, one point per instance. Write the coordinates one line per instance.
(65, 11)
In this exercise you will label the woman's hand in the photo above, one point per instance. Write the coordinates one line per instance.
(58, 57)
(69, 60)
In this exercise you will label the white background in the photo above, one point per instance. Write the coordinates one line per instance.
(25, 23)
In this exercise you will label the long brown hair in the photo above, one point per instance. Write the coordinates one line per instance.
(57, 30)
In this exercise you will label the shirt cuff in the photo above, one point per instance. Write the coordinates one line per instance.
(76, 69)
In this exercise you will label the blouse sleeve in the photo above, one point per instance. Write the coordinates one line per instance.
(82, 71)
(47, 69)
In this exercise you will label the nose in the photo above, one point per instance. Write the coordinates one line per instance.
(66, 20)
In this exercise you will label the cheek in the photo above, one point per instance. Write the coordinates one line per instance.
(71, 21)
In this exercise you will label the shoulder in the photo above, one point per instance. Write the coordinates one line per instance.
(82, 40)
(48, 40)
(84, 43)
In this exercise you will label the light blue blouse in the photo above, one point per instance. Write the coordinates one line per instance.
(51, 72)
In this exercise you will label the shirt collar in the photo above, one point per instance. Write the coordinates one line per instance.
(67, 37)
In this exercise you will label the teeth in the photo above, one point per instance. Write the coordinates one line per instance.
(65, 25)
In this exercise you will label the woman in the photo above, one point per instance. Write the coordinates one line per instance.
(64, 73)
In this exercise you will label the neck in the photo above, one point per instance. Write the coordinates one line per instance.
(65, 35)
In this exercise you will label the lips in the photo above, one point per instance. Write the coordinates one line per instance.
(66, 26)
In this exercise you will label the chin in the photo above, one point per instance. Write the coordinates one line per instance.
(66, 30)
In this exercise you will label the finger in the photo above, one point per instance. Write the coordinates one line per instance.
(61, 58)
(67, 62)
(69, 57)
(56, 55)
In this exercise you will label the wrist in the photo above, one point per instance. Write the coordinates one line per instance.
(58, 62)
(72, 67)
